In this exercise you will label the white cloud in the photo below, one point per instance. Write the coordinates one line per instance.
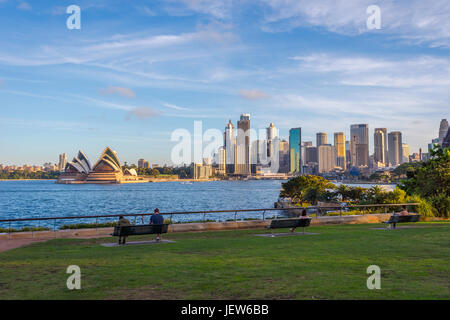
(142, 113)
(175, 107)
(253, 94)
(24, 6)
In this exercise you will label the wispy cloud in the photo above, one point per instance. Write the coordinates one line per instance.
(175, 107)
(24, 6)
(125, 92)
(253, 94)
(142, 113)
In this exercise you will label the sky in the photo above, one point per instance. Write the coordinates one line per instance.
(138, 70)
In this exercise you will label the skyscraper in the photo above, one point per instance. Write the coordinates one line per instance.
(295, 144)
(326, 155)
(380, 146)
(321, 138)
(229, 144)
(443, 128)
(243, 145)
(359, 135)
(141, 163)
(395, 148)
(339, 144)
(62, 162)
(271, 134)
(284, 156)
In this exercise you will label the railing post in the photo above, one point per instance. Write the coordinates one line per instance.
(235, 216)
(204, 215)
(264, 214)
(54, 228)
(96, 225)
(9, 231)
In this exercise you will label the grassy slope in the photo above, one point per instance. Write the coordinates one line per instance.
(235, 264)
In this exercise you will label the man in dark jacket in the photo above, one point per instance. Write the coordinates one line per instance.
(123, 222)
(156, 218)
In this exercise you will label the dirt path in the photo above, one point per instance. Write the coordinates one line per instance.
(6, 245)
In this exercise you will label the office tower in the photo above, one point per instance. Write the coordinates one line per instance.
(271, 134)
(222, 170)
(347, 154)
(380, 146)
(362, 155)
(146, 165)
(326, 155)
(258, 153)
(62, 162)
(229, 144)
(395, 148)
(321, 138)
(295, 144)
(359, 134)
(283, 156)
(141, 163)
(310, 155)
(443, 128)
(243, 145)
(339, 144)
(406, 152)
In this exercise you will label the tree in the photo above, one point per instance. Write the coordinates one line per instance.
(305, 188)
(432, 180)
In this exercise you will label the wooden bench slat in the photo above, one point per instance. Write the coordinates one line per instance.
(135, 230)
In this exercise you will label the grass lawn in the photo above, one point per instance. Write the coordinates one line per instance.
(415, 264)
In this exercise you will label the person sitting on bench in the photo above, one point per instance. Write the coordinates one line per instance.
(303, 216)
(123, 222)
(156, 218)
(404, 212)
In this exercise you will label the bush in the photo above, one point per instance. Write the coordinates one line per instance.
(441, 203)
(24, 229)
(425, 208)
(88, 225)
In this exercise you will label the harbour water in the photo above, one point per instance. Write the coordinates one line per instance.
(34, 199)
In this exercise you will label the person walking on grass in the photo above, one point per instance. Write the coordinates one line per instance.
(303, 216)
(156, 218)
(122, 223)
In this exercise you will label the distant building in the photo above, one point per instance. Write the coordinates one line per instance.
(146, 165)
(271, 134)
(446, 141)
(310, 155)
(200, 171)
(141, 163)
(283, 156)
(62, 162)
(339, 144)
(229, 142)
(242, 165)
(326, 155)
(395, 148)
(443, 129)
(380, 146)
(321, 138)
(405, 152)
(359, 135)
(295, 144)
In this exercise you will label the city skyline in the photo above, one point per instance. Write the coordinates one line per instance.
(133, 74)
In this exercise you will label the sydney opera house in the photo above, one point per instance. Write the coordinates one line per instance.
(106, 170)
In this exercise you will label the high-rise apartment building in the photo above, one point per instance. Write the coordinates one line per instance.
(243, 145)
(359, 135)
(141, 163)
(295, 145)
(321, 138)
(339, 144)
(380, 146)
(395, 148)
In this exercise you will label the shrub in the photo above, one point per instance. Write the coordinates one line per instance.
(425, 208)
(88, 225)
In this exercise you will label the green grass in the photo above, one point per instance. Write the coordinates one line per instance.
(238, 265)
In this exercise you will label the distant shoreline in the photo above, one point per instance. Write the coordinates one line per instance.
(28, 179)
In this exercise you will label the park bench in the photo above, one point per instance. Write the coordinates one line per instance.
(394, 219)
(289, 223)
(139, 230)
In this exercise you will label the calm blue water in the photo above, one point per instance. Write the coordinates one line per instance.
(24, 199)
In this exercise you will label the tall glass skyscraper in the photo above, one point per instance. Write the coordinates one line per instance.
(295, 147)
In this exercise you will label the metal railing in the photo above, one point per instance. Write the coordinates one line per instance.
(262, 212)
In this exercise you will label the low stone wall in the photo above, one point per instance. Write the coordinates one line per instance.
(194, 227)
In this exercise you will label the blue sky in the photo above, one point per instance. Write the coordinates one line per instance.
(137, 70)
